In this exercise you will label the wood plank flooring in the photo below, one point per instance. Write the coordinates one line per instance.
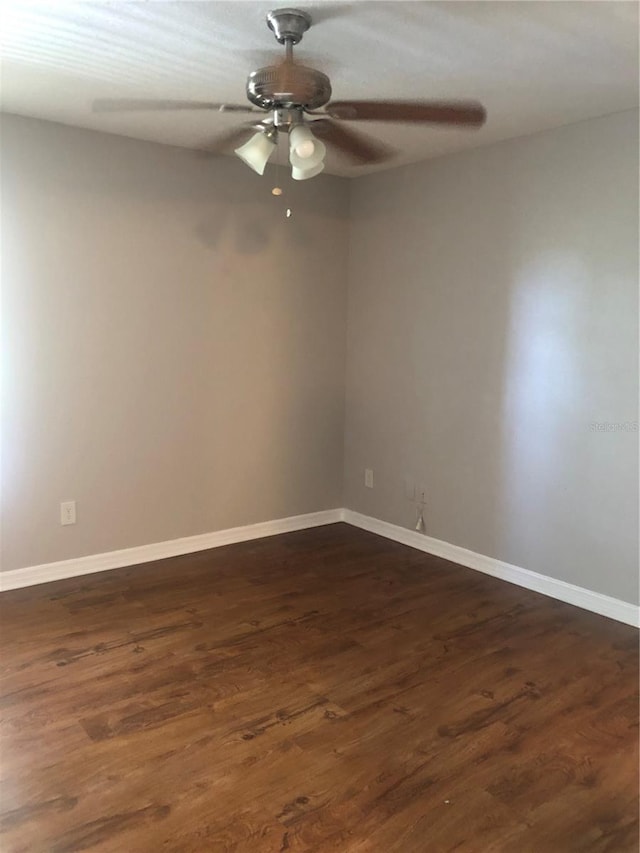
(318, 691)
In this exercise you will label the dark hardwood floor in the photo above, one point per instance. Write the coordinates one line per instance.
(318, 691)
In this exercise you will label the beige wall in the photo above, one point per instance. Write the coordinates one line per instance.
(493, 318)
(173, 346)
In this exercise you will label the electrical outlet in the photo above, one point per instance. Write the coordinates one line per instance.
(68, 512)
(368, 478)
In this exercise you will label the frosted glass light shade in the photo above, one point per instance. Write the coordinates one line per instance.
(305, 151)
(303, 174)
(256, 151)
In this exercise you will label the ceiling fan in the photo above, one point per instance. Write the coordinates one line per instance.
(286, 93)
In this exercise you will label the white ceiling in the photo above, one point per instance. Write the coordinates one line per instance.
(535, 65)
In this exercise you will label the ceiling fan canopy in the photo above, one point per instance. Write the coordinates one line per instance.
(287, 92)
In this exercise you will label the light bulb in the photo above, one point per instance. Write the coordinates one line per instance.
(306, 153)
(305, 148)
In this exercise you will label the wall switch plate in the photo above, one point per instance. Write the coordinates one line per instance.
(368, 478)
(68, 512)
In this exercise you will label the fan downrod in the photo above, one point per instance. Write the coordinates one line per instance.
(288, 25)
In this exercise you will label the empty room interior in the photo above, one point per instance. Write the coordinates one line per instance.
(319, 427)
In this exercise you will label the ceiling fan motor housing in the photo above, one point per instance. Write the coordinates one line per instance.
(296, 86)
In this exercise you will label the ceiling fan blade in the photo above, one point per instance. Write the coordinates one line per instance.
(357, 146)
(110, 105)
(468, 113)
(232, 139)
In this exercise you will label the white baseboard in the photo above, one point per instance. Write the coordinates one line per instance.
(17, 578)
(621, 611)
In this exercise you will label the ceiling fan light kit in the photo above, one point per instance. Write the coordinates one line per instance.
(305, 151)
(293, 95)
(304, 174)
(256, 152)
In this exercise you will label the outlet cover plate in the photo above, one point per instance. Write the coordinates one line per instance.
(67, 512)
